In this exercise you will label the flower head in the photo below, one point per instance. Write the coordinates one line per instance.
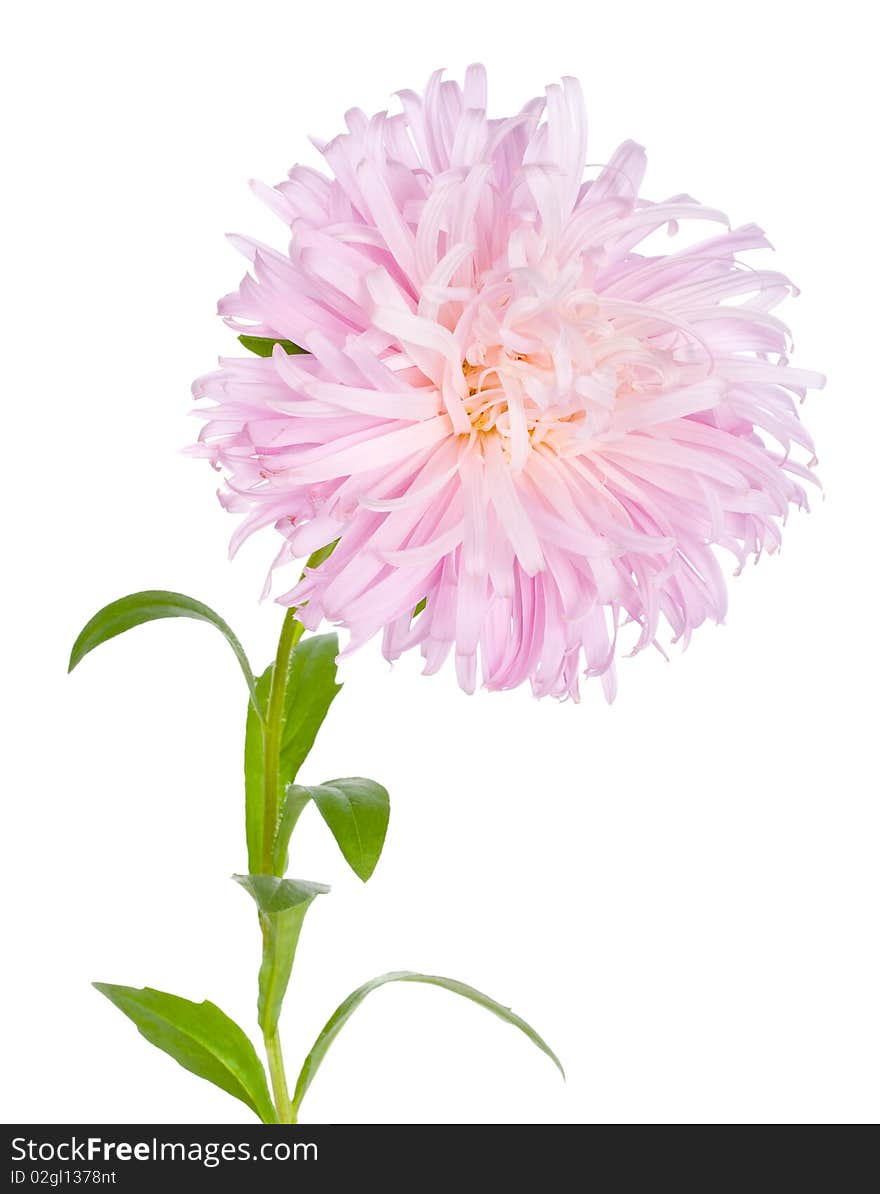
(523, 431)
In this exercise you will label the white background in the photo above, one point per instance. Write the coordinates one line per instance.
(681, 891)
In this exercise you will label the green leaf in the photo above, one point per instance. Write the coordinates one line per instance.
(283, 904)
(272, 894)
(340, 1017)
(356, 812)
(263, 345)
(317, 558)
(420, 608)
(311, 688)
(295, 801)
(136, 608)
(254, 793)
(201, 1038)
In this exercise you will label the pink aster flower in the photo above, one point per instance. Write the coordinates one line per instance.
(525, 434)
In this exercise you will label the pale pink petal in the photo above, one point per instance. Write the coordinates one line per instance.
(509, 413)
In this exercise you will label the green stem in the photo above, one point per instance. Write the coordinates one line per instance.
(286, 1114)
(291, 631)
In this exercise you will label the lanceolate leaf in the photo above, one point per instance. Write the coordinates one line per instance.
(201, 1038)
(356, 812)
(311, 687)
(295, 801)
(281, 932)
(317, 558)
(340, 1017)
(283, 904)
(254, 775)
(272, 894)
(263, 345)
(136, 608)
